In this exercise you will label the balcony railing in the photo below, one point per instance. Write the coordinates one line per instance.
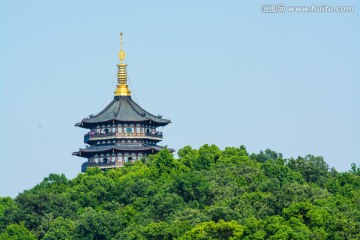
(104, 136)
(92, 135)
(157, 134)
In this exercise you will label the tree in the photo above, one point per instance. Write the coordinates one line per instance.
(6, 203)
(60, 228)
(92, 188)
(314, 169)
(157, 230)
(208, 155)
(163, 163)
(98, 225)
(17, 232)
(187, 156)
(265, 156)
(355, 169)
(164, 204)
(191, 187)
(210, 230)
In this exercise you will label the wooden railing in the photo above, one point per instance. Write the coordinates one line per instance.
(159, 134)
(100, 136)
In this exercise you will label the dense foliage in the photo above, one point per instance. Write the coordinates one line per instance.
(205, 194)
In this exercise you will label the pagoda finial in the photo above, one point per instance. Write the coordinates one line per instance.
(122, 54)
(122, 87)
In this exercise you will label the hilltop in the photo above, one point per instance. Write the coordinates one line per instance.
(206, 193)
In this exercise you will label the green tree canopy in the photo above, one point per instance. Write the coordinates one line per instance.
(206, 193)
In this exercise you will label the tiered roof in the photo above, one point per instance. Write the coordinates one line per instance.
(123, 109)
(120, 147)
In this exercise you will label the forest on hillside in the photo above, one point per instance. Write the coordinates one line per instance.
(206, 193)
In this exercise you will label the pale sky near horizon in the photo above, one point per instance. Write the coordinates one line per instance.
(224, 72)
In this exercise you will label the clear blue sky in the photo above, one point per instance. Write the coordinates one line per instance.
(224, 72)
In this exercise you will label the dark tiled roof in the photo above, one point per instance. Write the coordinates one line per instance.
(123, 109)
(120, 147)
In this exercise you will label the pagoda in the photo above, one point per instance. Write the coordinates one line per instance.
(123, 131)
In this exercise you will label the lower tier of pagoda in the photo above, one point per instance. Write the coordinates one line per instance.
(88, 151)
(115, 155)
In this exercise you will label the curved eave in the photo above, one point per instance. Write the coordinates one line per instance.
(140, 147)
(87, 124)
(123, 110)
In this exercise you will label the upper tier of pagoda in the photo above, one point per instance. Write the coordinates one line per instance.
(123, 109)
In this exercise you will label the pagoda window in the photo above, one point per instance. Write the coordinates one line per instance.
(129, 130)
(138, 128)
(133, 156)
(126, 157)
(113, 129)
(119, 128)
(140, 156)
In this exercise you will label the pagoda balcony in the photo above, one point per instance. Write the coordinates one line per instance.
(155, 135)
(110, 136)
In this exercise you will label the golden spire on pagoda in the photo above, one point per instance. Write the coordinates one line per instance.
(122, 88)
